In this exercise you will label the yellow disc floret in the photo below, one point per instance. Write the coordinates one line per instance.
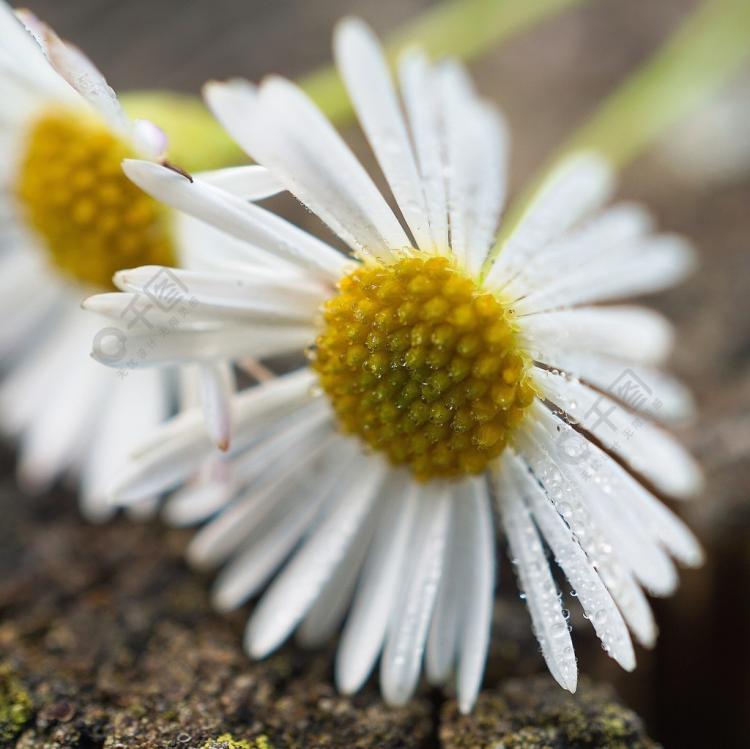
(424, 365)
(91, 219)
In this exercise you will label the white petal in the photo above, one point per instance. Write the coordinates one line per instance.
(365, 73)
(294, 591)
(552, 467)
(165, 346)
(648, 449)
(169, 455)
(134, 406)
(251, 182)
(476, 144)
(284, 131)
(634, 333)
(596, 601)
(237, 217)
(377, 592)
(149, 139)
(474, 637)
(578, 186)
(407, 635)
(592, 243)
(419, 89)
(310, 442)
(651, 265)
(535, 580)
(218, 387)
(249, 571)
(669, 399)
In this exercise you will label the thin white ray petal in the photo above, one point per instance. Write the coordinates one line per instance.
(294, 591)
(250, 570)
(237, 217)
(217, 388)
(474, 637)
(592, 243)
(634, 333)
(648, 449)
(536, 582)
(476, 146)
(327, 613)
(164, 346)
(363, 68)
(440, 653)
(407, 635)
(377, 592)
(310, 443)
(579, 186)
(596, 601)
(133, 406)
(669, 400)
(168, 456)
(250, 182)
(285, 132)
(419, 91)
(551, 466)
(654, 264)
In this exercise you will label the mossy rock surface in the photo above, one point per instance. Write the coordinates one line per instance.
(535, 713)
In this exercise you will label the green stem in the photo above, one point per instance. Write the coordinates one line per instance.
(709, 46)
(459, 28)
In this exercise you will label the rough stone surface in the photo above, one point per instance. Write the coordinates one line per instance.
(534, 713)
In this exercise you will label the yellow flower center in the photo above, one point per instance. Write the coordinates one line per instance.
(424, 365)
(92, 220)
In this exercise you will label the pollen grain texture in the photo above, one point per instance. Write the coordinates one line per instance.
(90, 218)
(424, 365)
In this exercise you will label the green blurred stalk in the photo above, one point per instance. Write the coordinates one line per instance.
(708, 47)
(459, 28)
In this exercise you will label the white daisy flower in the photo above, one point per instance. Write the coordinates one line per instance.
(70, 220)
(364, 487)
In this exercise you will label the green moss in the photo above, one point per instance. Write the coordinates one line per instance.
(226, 741)
(15, 705)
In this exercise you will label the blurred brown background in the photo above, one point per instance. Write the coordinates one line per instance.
(694, 689)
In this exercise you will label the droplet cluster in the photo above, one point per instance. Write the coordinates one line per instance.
(91, 219)
(423, 365)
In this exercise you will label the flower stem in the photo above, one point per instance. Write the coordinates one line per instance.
(459, 28)
(708, 47)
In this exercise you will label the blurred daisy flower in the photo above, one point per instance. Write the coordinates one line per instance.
(70, 220)
(439, 399)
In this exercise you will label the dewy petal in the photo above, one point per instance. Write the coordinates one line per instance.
(377, 593)
(290, 136)
(419, 90)
(86, 79)
(365, 73)
(595, 599)
(250, 182)
(407, 635)
(474, 637)
(238, 218)
(541, 450)
(294, 591)
(669, 399)
(535, 580)
(648, 449)
(578, 186)
(635, 333)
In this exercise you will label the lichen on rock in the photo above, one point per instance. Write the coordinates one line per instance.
(16, 707)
